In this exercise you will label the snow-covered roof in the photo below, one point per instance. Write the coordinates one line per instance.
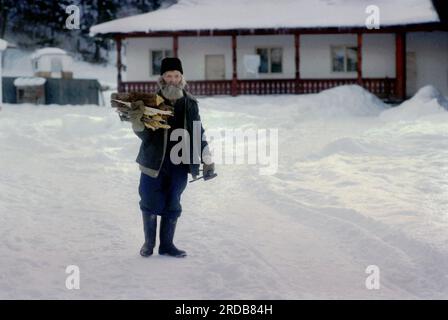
(3, 44)
(44, 51)
(256, 14)
(29, 81)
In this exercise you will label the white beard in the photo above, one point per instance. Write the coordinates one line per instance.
(171, 91)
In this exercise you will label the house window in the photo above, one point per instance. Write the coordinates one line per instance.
(271, 60)
(156, 60)
(344, 58)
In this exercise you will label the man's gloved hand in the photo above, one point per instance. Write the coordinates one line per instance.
(208, 170)
(136, 114)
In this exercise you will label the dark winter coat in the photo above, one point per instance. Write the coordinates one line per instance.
(153, 148)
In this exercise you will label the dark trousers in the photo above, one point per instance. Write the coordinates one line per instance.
(162, 195)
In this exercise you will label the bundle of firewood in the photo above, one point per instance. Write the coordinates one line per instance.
(155, 114)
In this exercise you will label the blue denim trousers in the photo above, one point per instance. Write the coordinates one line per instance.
(162, 195)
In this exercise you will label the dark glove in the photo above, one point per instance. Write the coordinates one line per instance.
(136, 113)
(208, 170)
(135, 116)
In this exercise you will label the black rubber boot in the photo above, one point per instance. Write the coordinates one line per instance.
(167, 229)
(150, 229)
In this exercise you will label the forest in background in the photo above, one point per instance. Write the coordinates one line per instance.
(33, 24)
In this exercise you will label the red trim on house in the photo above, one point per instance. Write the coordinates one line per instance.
(400, 64)
(119, 64)
(297, 59)
(359, 58)
(175, 45)
(234, 65)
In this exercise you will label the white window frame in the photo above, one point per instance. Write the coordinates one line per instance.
(345, 46)
(269, 59)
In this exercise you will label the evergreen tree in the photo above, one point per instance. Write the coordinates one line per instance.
(39, 23)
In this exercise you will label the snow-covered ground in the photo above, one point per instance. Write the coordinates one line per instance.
(358, 184)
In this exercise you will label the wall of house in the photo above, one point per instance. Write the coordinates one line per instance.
(248, 45)
(315, 55)
(192, 52)
(137, 57)
(378, 56)
(431, 57)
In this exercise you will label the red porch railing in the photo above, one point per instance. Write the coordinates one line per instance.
(210, 87)
(382, 87)
(266, 86)
(147, 86)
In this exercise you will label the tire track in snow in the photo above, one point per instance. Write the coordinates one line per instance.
(405, 263)
(277, 257)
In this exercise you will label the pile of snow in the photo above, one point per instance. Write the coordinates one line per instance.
(427, 101)
(343, 101)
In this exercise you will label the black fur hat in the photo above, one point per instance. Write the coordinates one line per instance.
(170, 64)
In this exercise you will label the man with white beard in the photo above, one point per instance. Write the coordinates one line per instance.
(162, 181)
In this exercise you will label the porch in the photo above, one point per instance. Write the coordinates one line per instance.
(384, 88)
(392, 89)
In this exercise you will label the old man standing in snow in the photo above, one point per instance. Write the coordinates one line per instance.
(163, 180)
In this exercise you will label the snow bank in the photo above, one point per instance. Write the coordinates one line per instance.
(428, 101)
(342, 101)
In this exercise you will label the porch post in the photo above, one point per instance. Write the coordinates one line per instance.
(359, 58)
(400, 65)
(119, 65)
(3, 46)
(297, 58)
(234, 63)
(175, 45)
